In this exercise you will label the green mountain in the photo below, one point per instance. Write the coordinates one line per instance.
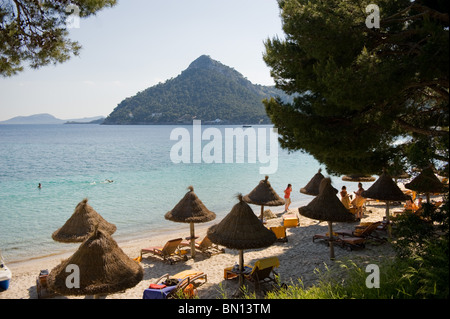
(207, 90)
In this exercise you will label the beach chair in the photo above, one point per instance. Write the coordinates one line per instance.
(206, 246)
(261, 272)
(358, 237)
(364, 231)
(183, 284)
(169, 252)
(382, 226)
(280, 232)
(342, 241)
(350, 243)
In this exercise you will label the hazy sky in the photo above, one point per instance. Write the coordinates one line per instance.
(137, 44)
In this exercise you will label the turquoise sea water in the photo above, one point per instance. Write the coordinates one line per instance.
(73, 162)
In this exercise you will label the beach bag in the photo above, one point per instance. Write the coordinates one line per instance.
(190, 291)
(171, 282)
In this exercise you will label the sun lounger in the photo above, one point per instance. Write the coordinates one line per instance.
(169, 252)
(183, 284)
(342, 241)
(260, 273)
(363, 232)
(290, 220)
(384, 225)
(233, 272)
(206, 246)
(351, 243)
(381, 226)
(357, 238)
(263, 270)
(280, 232)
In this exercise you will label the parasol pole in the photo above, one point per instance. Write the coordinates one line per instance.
(241, 268)
(192, 240)
(387, 220)
(330, 234)
(262, 213)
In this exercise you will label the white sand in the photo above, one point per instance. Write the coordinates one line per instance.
(299, 257)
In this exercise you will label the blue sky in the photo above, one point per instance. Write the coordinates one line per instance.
(139, 43)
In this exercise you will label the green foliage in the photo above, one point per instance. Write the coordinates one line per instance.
(207, 90)
(414, 232)
(399, 279)
(36, 31)
(361, 90)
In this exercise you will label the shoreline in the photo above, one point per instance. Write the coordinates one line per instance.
(299, 258)
(172, 230)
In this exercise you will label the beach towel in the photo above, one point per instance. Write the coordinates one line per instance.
(346, 201)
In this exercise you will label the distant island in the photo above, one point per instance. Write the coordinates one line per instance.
(45, 118)
(207, 90)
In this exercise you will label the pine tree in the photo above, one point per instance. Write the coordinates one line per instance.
(361, 89)
(35, 31)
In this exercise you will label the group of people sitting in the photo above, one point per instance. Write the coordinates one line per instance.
(354, 205)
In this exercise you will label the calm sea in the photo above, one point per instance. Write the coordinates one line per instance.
(73, 162)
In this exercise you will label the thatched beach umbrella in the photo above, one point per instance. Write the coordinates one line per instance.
(81, 224)
(312, 188)
(327, 206)
(385, 189)
(358, 178)
(103, 268)
(426, 182)
(190, 209)
(263, 194)
(241, 230)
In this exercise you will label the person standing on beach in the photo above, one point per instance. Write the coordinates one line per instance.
(287, 197)
(345, 197)
(358, 202)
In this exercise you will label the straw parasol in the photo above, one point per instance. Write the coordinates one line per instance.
(358, 178)
(241, 230)
(326, 206)
(426, 182)
(385, 189)
(103, 268)
(263, 194)
(312, 188)
(190, 209)
(81, 224)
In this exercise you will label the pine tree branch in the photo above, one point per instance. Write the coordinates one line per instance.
(428, 132)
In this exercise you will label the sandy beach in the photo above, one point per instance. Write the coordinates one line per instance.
(299, 258)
